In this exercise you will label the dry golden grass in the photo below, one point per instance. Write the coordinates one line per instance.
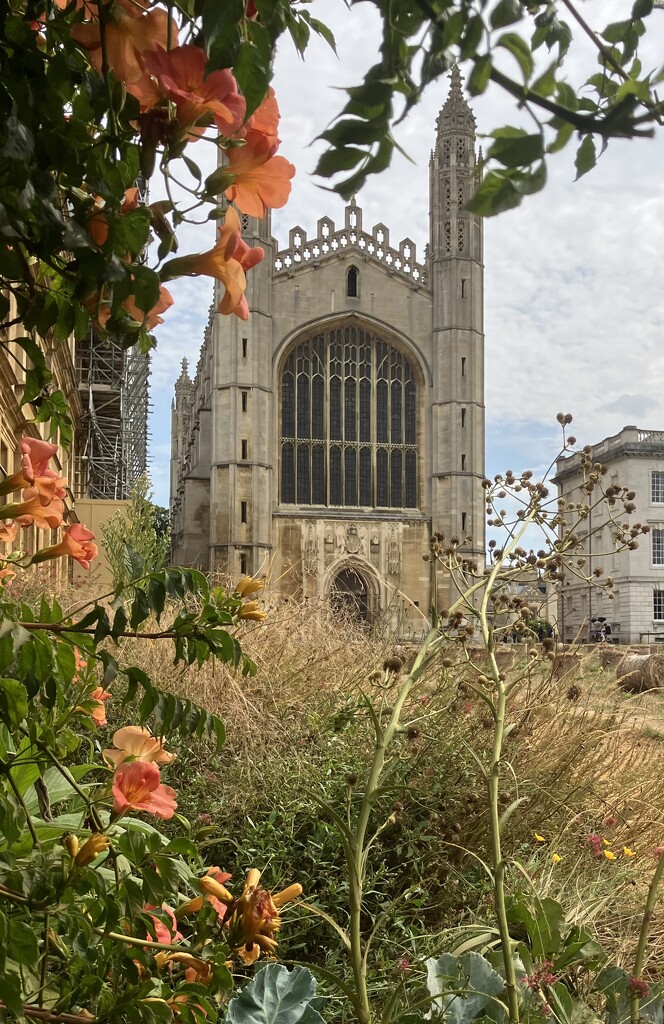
(582, 752)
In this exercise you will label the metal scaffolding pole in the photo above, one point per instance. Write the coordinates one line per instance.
(114, 386)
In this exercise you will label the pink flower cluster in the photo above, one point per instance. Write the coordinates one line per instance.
(41, 505)
(137, 783)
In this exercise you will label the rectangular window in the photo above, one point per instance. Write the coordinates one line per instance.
(463, 366)
(243, 511)
(463, 522)
(463, 287)
(244, 348)
(658, 547)
(463, 418)
(244, 401)
(657, 487)
(463, 462)
(245, 448)
(658, 605)
(243, 564)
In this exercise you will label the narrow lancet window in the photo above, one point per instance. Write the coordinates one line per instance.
(352, 283)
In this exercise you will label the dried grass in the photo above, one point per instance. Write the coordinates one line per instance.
(582, 749)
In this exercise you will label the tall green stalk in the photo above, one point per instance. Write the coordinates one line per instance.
(651, 899)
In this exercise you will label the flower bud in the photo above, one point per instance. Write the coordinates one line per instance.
(71, 844)
(212, 888)
(96, 844)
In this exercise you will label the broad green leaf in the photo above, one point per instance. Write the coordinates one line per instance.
(472, 975)
(276, 996)
(13, 702)
(518, 47)
(519, 151)
(506, 12)
(22, 945)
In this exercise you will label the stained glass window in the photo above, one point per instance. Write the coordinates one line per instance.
(348, 423)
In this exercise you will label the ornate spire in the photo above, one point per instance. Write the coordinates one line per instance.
(456, 115)
(184, 381)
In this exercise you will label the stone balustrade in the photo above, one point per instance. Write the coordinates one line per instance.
(330, 242)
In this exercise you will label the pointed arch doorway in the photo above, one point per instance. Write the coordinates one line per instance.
(350, 595)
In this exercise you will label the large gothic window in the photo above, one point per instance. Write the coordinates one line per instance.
(348, 422)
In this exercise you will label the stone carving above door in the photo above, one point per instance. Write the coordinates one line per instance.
(310, 550)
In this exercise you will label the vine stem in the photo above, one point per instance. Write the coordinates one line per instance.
(357, 851)
(646, 920)
(499, 709)
(28, 819)
(41, 1014)
(131, 940)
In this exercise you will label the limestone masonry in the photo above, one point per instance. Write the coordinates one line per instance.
(325, 439)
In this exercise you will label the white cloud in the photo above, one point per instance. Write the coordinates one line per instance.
(574, 300)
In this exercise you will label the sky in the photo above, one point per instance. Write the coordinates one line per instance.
(574, 289)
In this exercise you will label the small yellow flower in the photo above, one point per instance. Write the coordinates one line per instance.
(252, 610)
(628, 852)
(95, 845)
(540, 839)
(248, 586)
(556, 858)
(607, 842)
(609, 854)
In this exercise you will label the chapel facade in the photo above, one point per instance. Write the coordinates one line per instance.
(325, 439)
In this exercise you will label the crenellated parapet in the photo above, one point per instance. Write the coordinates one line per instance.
(332, 242)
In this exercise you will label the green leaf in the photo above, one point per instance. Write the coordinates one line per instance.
(506, 12)
(642, 8)
(615, 32)
(322, 30)
(335, 160)
(20, 142)
(543, 920)
(496, 193)
(520, 50)
(586, 157)
(276, 996)
(13, 702)
(472, 975)
(253, 65)
(23, 946)
(479, 76)
(11, 994)
(520, 150)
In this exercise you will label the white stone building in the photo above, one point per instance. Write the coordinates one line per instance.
(635, 459)
(326, 438)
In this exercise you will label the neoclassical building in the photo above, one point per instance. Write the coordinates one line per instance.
(325, 439)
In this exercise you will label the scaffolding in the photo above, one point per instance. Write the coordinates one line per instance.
(113, 383)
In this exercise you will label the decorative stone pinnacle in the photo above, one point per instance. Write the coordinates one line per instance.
(184, 373)
(456, 115)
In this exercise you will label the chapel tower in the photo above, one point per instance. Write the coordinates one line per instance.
(457, 283)
(241, 469)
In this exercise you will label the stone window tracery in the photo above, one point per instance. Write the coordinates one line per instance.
(348, 422)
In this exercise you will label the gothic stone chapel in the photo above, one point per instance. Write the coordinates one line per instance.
(327, 437)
